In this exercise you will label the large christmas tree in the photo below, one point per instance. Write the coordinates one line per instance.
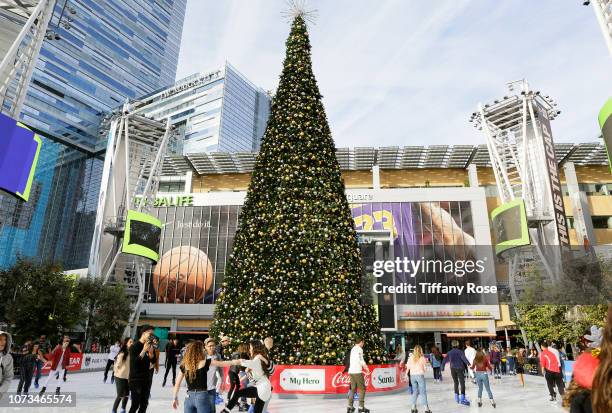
(295, 270)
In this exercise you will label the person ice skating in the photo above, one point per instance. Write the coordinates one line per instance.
(521, 359)
(511, 361)
(112, 354)
(142, 357)
(60, 359)
(458, 364)
(45, 348)
(194, 369)
(6, 362)
(436, 363)
(495, 358)
(470, 353)
(551, 369)
(215, 385)
(481, 366)
(416, 366)
(357, 366)
(121, 372)
(234, 374)
(27, 367)
(172, 352)
(258, 368)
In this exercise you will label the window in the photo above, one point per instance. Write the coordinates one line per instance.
(178, 186)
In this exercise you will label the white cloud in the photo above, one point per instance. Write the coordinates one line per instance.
(411, 72)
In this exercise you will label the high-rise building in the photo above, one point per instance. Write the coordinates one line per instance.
(109, 51)
(114, 49)
(220, 111)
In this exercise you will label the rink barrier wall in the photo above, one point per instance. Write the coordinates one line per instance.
(291, 380)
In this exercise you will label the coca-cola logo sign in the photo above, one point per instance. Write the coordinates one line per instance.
(344, 380)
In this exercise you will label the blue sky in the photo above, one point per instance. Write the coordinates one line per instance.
(410, 72)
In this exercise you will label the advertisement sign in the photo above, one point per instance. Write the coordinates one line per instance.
(19, 151)
(554, 181)
(142, 234)
(331, 379)
(510, 226)
(605, 123)
(94, 361)
(73, 365)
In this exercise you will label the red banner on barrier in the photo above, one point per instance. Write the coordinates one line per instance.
(74, 364)
(331, 380)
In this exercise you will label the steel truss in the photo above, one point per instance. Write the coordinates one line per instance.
(18, 64)
(603, 13)
(513, 130)
(130, 179)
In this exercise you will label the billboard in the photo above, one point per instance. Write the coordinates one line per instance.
(142, 234)
(510, 226)
(605, 123)
(19, 151)
(197, 240)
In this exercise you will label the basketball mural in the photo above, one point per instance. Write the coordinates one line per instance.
(182, 275)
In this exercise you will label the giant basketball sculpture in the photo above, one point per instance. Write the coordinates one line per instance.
(182, 275)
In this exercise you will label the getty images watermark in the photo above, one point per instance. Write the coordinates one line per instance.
(410, 268)
(10, 399)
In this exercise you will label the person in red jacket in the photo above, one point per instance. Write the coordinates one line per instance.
(551, 369)
(60, 358)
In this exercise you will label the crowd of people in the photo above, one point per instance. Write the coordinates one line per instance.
(133, 363)
(199, 365)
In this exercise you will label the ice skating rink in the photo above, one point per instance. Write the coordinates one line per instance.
(93, 396)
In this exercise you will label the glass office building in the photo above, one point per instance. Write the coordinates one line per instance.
(220, 111)
(57, 223)
(113, 50)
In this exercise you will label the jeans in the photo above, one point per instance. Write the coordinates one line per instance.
(437, 373)
(39, 367)
(510, 365)
(458, 379)
(482, 378)
(497, 368)
(197, 402)
(418, 389)
(212, 399)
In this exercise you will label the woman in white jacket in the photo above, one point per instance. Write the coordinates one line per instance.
(258, 368)
(6, 362)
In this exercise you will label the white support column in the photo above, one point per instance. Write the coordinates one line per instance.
(375, 177)
(188, 182)
(472, 175)
(603, 13)
(583, 224)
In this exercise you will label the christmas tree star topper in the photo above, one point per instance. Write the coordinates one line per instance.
(299, 8)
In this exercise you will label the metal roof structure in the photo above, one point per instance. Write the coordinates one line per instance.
(23, 8)
(390, 157)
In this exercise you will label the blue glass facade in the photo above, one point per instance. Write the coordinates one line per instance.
(57, 222)
(115, 50)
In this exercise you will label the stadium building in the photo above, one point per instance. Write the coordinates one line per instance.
(415, 200)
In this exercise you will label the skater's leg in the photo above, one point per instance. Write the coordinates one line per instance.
(246, 392)
(108, 364)
(362, 390)
(487, 386)
(462, 383)
(173, 373)
(550, 383)
(560, 384)
(415, 391)
(480, 382)
(455, 375)
(351, 395)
